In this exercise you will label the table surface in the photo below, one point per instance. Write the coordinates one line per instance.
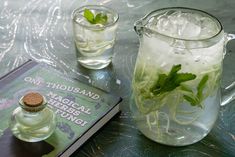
(42, 30)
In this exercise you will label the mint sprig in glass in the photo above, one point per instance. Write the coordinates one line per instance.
(99, 18)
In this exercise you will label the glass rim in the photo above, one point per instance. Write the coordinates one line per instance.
(184, 8)
(94, 27)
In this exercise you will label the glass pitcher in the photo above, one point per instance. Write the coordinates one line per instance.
(176, 83)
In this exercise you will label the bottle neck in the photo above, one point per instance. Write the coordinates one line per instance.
(32, 109)
(30, 113)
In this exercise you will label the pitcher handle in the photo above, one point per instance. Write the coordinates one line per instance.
(228, 93)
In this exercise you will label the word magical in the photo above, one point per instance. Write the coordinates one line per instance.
(68, 109)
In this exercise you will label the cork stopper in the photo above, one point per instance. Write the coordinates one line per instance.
(33, 99)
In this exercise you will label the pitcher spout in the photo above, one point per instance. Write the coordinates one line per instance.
(138, 26)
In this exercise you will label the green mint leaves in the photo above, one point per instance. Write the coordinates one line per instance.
(167, 83)
(201, 87)
(99, 18)
(196, 99)
(89, 15)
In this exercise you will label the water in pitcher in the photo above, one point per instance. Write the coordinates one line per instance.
(176, 84)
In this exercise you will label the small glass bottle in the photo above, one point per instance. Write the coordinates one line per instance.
(33, 121)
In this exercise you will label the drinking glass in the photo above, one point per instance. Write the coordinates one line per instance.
(94, 42)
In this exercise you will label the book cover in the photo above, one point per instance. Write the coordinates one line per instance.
(81, 110)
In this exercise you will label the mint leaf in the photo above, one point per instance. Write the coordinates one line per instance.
(201, 87)
(175, 69)
(161, 81)
(167, 83)
(185, 88)
(191, 100)
(182, 77)
(197, 99)
(101, 18)
(194, 101)
(89, 16)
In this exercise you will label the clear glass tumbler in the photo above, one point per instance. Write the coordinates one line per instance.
(94, 41)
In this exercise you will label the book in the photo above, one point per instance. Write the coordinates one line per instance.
(81, 110)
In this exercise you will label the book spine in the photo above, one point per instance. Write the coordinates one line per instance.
(12, 75)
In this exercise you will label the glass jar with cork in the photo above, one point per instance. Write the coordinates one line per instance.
(33, 121)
